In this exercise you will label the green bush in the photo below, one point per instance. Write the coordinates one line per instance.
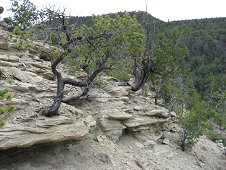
(216, 137)
(194, 122)
(5, 95)
(2, 122)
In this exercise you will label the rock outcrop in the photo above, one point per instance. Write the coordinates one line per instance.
(115, 107)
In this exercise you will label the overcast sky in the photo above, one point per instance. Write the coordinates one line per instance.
(162, 9)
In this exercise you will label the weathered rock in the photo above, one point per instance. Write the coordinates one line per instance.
(24, 76)
(4, 45)
(143, 121)
(40, 65)
(112, 128)
(103, 98)
(166, 141)
(90, 121)
(70, 110)
(114, 135)
(54, 121)
(26, 87)
(17, 136)
(48, 76)
(159, 113)
(173, 114)
(120, 90)
(117, 114)
(108, 125)
(19, 102)
(7, 64)
(10, 58)
(138, 108)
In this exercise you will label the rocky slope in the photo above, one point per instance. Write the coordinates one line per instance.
(114, 128)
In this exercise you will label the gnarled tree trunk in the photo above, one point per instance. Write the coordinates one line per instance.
(53, 109)
(140, 73)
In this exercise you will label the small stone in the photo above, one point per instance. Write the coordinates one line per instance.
(138, 108)
(114, 135)
(111, 125)
(173, 114)
(99, 138)
(90, 121)
(166, 141)
(4, 45)
(48, 76)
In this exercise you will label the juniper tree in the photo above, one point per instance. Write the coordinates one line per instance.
(107, 44)
(25, 13)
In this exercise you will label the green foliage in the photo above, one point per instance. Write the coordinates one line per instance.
(168, 50)
(122, 39)
(167, 58)
(2, 110)
(5, 95)
(206, 58)
(24, 13)
(193, 120)
(2, 122)
(216, 137)
(120, 74)
(100, 84)
(9, 21)
(217, 106)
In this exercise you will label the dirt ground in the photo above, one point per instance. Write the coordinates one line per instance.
(97, 152)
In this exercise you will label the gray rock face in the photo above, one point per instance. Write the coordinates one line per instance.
(12, 136)
(4, 45)
(158, 113)
(108, 125)
(24, 76)
(113, 128)
(116, 114)
(143, 121)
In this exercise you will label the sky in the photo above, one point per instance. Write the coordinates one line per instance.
(166, 10)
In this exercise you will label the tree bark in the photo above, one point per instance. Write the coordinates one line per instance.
(53, 109)
(140, 74)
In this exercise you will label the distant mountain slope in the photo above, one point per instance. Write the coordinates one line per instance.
(207, 52)
(207, 48)
(206, 44)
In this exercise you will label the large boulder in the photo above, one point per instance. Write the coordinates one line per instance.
(18, 136)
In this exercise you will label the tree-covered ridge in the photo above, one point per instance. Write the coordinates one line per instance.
(207, 52)
(206, 44)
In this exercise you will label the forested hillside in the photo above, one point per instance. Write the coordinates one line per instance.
(206, 43)
(207, 52)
